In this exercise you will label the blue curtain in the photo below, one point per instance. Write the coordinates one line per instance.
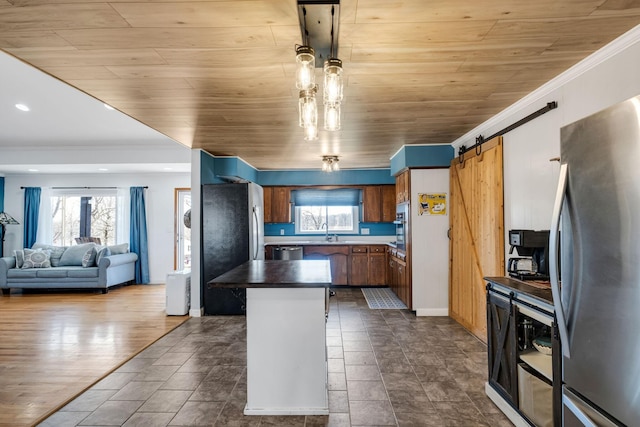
(31, 211)
(138, 234)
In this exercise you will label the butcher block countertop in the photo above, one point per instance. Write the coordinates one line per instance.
(537, 291)
(276, 274)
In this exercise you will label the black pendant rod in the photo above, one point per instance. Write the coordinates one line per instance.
(481, 140)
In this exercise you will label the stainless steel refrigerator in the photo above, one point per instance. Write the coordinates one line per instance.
(232, 233)
(597, 302)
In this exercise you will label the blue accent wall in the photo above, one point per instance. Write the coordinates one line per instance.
(317, 177)
(207, 169)
(422, 156)
(375, 229)
(235, 167)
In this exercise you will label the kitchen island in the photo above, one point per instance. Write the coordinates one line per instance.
(286, 335)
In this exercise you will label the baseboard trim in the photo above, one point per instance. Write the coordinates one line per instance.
(196, 312)
(432, 312)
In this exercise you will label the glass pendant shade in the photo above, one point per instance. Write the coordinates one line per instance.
(332, 116)
(311, 133)
(307, 108)
(305, 67)
(332, 81)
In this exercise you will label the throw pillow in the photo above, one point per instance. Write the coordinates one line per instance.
(122, 248)
(56, 252)
(89, 258)
(19, 258)
(36, 258)
(73, 255)
(101, 254)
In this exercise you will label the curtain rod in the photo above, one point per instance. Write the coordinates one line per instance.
(84, 188)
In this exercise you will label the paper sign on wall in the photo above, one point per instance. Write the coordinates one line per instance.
(432, 203)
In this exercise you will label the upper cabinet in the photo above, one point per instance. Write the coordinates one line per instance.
(277, 204)
(378, 202)
(402, 187)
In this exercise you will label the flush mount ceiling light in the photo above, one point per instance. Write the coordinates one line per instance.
(330, 164)
(22, 107)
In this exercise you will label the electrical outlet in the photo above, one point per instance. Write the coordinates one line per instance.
(364, 231)
(282, 231)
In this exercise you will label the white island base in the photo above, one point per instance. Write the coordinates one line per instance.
(286, 352)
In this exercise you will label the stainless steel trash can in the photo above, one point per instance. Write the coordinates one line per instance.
(286, 253)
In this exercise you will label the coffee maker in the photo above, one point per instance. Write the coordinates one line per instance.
(532, 248)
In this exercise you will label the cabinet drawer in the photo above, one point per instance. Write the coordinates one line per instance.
(359, 249)
(377, 249)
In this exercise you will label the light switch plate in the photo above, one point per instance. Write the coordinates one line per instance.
(364, 231)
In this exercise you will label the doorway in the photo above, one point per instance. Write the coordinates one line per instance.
(182, 249)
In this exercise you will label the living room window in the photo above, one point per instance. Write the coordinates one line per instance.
(90, 213)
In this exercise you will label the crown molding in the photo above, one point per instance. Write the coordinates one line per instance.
(618, 45)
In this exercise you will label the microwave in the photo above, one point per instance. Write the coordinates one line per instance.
(402, 216)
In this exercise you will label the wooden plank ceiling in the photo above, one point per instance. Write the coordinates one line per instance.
(218, 75)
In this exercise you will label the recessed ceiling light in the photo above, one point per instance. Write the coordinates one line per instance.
(108, 107)
(33, 170)
(22, 107)
(168, 169)
(103, 169)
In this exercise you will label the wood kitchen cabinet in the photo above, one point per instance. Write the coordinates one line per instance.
(277, 204)
(359, 273)
(402, 187)
(398, 276)
(338, 255)
(377, 265)
(368, 266)
(378, 203)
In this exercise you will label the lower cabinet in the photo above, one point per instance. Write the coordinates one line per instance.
(397, 276)
(368, 265)
(524, 357)
(338, 256)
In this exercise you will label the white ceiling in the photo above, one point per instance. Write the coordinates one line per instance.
(68, 131)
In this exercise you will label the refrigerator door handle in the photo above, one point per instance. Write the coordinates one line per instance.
(580, 415)
(583, 411)
(256, 238)
(553, 260)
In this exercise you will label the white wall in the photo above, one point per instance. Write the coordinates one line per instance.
(159, 198)
(429, 246)
(605, 78)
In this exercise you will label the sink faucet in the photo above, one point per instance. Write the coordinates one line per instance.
(326, 227)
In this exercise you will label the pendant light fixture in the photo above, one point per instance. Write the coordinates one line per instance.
(308, 113)
(332, 85)
(319, 27)
(332, 116)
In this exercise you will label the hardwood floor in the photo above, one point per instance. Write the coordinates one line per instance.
(53, 346)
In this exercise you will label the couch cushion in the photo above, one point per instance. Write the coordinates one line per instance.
(36, 258)
(73, 254)
(82, 272)
(52, 273)
(19, 273)
(103, 252)
(56, 252)
(19, 254)
(122, 248)
(89, 258)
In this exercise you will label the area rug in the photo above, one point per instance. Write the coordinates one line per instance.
(382, 299)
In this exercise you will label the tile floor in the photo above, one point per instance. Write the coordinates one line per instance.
(386, 368)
